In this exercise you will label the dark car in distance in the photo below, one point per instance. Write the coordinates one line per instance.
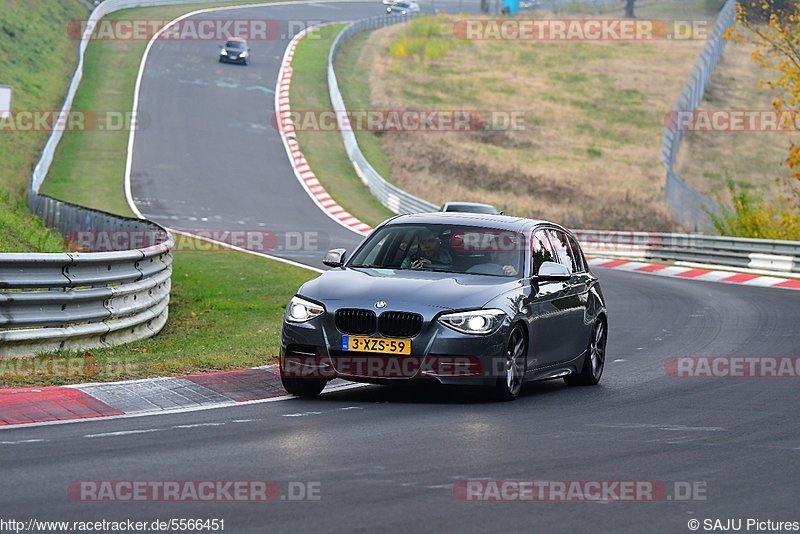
(470, 207)
(472, 299)
(235, 50)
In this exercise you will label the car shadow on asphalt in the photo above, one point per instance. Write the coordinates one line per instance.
(432, 393)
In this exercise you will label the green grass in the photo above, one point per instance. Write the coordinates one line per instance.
(39, 78)
(324, 149)
(352, 63)
(226, 307)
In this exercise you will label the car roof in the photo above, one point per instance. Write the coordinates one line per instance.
(237, 39)
(496, 222)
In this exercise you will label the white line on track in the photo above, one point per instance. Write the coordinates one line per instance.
(122, 433)
(666, 427)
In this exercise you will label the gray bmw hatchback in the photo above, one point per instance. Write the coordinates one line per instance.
(458, 298)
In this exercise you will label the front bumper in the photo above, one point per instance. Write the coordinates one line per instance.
(228, 59)
(313, 350)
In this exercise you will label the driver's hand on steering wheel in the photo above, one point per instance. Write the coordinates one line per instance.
(420, 263)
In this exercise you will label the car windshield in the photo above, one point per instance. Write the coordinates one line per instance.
(444, 248)
(401, 4)
(234, 44)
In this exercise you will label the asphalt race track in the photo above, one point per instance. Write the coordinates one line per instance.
(210, 157)
(388, 458)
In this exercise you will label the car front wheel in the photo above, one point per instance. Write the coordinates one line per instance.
(303, 387)
(509, 383)
(594, 361)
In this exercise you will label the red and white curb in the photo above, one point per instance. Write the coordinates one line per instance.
(133, 398)
(694, 273)
(301, 168)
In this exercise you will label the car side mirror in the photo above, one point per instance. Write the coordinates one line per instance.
(551, 271)
(335, 257)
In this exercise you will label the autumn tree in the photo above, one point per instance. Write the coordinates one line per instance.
(773, 26)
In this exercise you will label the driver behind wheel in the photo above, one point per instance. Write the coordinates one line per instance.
(429, 253)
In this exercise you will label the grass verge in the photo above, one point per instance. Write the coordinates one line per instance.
(751, 159)
(588, 151)
(39, 77)
(353, 58)
(323, 148)
(226, 307)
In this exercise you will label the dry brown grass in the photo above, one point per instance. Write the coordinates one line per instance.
(708, 159)
(589, 155)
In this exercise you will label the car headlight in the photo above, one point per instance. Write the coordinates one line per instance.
(223, 52)
(243, 54)
(403, 12)
(478, 322)
(388, 9)
(300, 310)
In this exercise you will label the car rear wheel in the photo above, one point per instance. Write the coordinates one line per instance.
(594, 361)
(509, 383)
(303, 387)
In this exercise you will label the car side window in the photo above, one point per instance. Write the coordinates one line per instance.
(541, 251)
(562, 250)
(580, 260)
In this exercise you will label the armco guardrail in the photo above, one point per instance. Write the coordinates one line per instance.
(690, 207)
(736, 252)
(85, 299)
(391, 196)
(79, 300)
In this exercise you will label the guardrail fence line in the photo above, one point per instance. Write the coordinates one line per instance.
(80, 300)
(736, 252)
(391, 196)
(688, 206)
